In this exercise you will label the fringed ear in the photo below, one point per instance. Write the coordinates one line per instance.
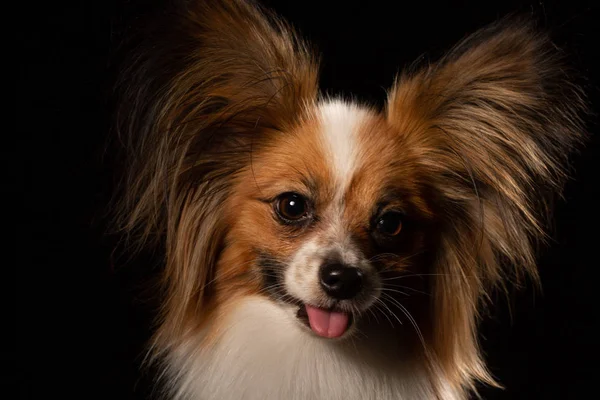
(492, 124)
(206, 80)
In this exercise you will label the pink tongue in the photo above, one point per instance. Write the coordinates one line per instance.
(325, 323)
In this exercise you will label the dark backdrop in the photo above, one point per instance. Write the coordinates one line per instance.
(81, 322)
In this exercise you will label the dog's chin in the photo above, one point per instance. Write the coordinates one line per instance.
(328, 324)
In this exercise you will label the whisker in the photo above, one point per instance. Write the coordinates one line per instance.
(382, 311)
(421, 275)
(410, 318)
(372, 312)
(407, 288)
(390, 311)
(385, 289)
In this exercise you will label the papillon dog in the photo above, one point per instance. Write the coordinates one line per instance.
(319, 248)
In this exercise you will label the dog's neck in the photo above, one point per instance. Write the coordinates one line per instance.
(261, 353)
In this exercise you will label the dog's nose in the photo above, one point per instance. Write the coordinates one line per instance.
(340, 281)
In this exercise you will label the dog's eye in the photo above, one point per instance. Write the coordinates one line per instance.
(390, 223)
(291, 207)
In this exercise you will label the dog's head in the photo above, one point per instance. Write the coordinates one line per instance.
(333, 210)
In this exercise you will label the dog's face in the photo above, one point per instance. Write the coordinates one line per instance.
(328, 213)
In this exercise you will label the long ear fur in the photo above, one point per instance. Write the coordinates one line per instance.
(204, 82)
(492, 124)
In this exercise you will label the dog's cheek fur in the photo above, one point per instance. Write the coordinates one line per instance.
(493, 123)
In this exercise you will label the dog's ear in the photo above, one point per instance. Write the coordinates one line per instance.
(492, 125)
(204, 81)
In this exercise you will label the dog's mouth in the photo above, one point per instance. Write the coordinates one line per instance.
(327, 323)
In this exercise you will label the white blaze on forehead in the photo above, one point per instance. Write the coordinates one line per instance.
(340, 123)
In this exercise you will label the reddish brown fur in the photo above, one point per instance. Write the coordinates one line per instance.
(250, 218)
(221, 107)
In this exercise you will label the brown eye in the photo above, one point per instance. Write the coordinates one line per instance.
(291, 207)
(390, 223)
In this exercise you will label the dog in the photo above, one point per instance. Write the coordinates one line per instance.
(319, 248)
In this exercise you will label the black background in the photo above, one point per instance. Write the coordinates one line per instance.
(81, 323)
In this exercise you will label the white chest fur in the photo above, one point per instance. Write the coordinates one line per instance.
(263, 354)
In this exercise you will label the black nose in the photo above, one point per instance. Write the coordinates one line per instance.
(340, 281)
